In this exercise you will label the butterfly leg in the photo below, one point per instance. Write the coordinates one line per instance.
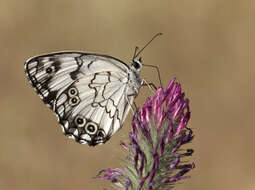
(134, 104)
(157, 69)
(150, 85)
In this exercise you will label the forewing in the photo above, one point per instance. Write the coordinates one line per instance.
(52, 73)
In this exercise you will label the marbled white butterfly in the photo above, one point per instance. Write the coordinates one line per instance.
(91, 94)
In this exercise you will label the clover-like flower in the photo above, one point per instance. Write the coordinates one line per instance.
(159, 129)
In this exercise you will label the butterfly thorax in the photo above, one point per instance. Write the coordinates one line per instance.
(134, 82)
(134, 75)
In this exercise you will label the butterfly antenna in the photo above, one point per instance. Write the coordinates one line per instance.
(158, 34)
(136, 49)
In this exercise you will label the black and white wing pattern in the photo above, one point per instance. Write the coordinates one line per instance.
(91, 94)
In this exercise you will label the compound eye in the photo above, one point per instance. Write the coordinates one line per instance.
(72, 92)
(91, 128)
(79, 121)
(136, 65)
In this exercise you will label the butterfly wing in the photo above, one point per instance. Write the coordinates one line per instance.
(89, 93)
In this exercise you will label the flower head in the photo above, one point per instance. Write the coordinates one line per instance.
(159, 129)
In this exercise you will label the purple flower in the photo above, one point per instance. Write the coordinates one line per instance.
(159, 129)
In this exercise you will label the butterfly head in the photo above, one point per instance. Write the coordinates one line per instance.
(136, 64)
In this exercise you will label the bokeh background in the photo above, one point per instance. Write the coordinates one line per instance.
(207, 44)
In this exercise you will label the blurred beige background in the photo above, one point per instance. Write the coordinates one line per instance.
(207, 44)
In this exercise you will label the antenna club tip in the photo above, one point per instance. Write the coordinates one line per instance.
(156, 35)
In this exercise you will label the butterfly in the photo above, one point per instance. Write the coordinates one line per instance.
(91, 94)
